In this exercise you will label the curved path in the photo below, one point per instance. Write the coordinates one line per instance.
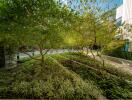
(125, 65)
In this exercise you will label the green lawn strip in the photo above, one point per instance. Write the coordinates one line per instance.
(62, 58)
(95, 69)
(57, 56)
(113, 87)
(96, 64)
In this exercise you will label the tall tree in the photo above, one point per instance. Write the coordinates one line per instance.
(35, 23)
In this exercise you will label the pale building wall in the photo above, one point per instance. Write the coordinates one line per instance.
(127, 11)
(119, 12)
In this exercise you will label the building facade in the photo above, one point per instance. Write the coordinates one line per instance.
(124, 12)
(124, 21)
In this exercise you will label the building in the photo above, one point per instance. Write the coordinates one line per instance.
(124, 12)
(119, 15)
(124, 20)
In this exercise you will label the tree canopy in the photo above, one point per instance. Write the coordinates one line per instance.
(45, 24)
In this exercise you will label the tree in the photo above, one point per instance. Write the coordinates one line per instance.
(96, 29)
(37, 24)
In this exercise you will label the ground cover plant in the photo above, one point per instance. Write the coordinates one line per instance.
(114, 86)
(64, 76)
(31, 80)
(79, 57)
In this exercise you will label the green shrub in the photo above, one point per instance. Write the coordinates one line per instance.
(112, 46)
(115, 49)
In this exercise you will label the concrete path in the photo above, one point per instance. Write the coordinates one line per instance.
(35, 53)
(125, 65)
(120, 63)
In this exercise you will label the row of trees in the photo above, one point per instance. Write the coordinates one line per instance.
(46, 24)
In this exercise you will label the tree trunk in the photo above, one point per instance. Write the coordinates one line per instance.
(87, 50)
(42, 56)
(42, 60)
(103, 61)
(92, 54)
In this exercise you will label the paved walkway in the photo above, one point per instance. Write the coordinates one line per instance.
(125, 65)
(35, 53)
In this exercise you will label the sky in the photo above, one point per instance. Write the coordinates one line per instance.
(111, 3)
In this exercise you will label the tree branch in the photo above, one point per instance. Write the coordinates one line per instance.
(30, 55)
(46, 51)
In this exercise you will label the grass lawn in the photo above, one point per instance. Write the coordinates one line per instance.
(67, 76)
